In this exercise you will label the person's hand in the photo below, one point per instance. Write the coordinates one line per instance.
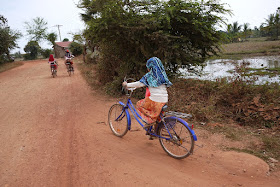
(124, 84)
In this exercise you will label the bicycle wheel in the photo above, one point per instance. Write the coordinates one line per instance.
(181, 143)
(53, 73)
(69, 70)
(117, 120)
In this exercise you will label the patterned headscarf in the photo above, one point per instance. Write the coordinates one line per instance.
(51, 59)
(157, 75)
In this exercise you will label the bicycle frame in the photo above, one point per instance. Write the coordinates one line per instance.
(130, 107)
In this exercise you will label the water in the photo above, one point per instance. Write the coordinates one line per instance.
(221, 68)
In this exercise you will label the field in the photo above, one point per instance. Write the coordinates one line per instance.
(252, 47)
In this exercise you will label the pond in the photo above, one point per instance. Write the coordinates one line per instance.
(221, 68)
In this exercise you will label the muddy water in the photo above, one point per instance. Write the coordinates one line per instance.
(220, 68)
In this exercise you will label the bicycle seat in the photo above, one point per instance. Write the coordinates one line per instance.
(164, 108)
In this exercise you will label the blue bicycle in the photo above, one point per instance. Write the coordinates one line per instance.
(175, 135)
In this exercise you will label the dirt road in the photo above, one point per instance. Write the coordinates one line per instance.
(53, 132)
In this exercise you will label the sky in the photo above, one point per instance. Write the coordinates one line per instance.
(55, 12)
(67, 14)
(253, 12)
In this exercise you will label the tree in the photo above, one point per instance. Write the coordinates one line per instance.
(129, 32)
(46, 52)
(246, 30)
(8, 38)
(37, 29)
(51, 37)
(76, 48)
(65, 40)
(234, 31)
(32, 50)
(81, 40)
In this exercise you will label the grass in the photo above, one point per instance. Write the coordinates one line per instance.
(9, 65)
(271, 72)
(252, 47)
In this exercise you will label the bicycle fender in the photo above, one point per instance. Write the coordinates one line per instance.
(186, 124)
(128, 116)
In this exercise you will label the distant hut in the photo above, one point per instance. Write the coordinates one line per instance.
(60, 48)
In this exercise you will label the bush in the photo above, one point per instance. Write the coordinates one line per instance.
(46, 52)
(239, 101)
(76, 48)
(32, 49)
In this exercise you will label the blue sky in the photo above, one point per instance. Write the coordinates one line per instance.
(66, 13)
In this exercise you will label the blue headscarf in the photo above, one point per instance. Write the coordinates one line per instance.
(157, 75)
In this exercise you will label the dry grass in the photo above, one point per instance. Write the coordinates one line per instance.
(252, 47)
(9, 65)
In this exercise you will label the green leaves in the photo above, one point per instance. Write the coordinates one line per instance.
(179, 32)
(36, 29)
(8, 39)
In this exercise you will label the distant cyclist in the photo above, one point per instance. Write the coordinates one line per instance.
(52, 62)
(68, 58)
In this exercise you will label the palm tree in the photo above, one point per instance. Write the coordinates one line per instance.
(270, 24)
(246, 30)
(234, 30)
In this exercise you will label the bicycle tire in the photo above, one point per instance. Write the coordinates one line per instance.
(53, 73)
(69, 70)
(181, 144)
(119, 127)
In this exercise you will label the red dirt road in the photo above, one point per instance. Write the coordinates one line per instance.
(53, 132)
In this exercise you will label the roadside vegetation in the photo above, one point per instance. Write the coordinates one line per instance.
(9, 65)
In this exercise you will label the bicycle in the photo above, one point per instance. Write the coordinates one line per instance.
(69, 65)
(175, 135)
(54, 71)
(70, 68)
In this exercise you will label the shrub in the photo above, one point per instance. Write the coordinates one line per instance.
(76, 48)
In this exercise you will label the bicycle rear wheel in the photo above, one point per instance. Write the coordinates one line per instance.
(53, 73)
(117, 120)
(181, 143)
(69, 70)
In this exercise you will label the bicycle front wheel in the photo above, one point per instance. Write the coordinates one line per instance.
(177, 139)
(117, 120)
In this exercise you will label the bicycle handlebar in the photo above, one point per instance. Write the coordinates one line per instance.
(126, 88)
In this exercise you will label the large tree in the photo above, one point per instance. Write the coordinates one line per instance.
(8, 39)
(37, 29)
(128, 32)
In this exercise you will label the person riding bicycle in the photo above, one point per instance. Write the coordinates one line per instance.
(68, 58)
(157, 82)
(52, 62)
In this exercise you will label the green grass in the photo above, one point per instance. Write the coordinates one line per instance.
(271, 72)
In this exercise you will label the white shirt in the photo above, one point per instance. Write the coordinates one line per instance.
(158, 94)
